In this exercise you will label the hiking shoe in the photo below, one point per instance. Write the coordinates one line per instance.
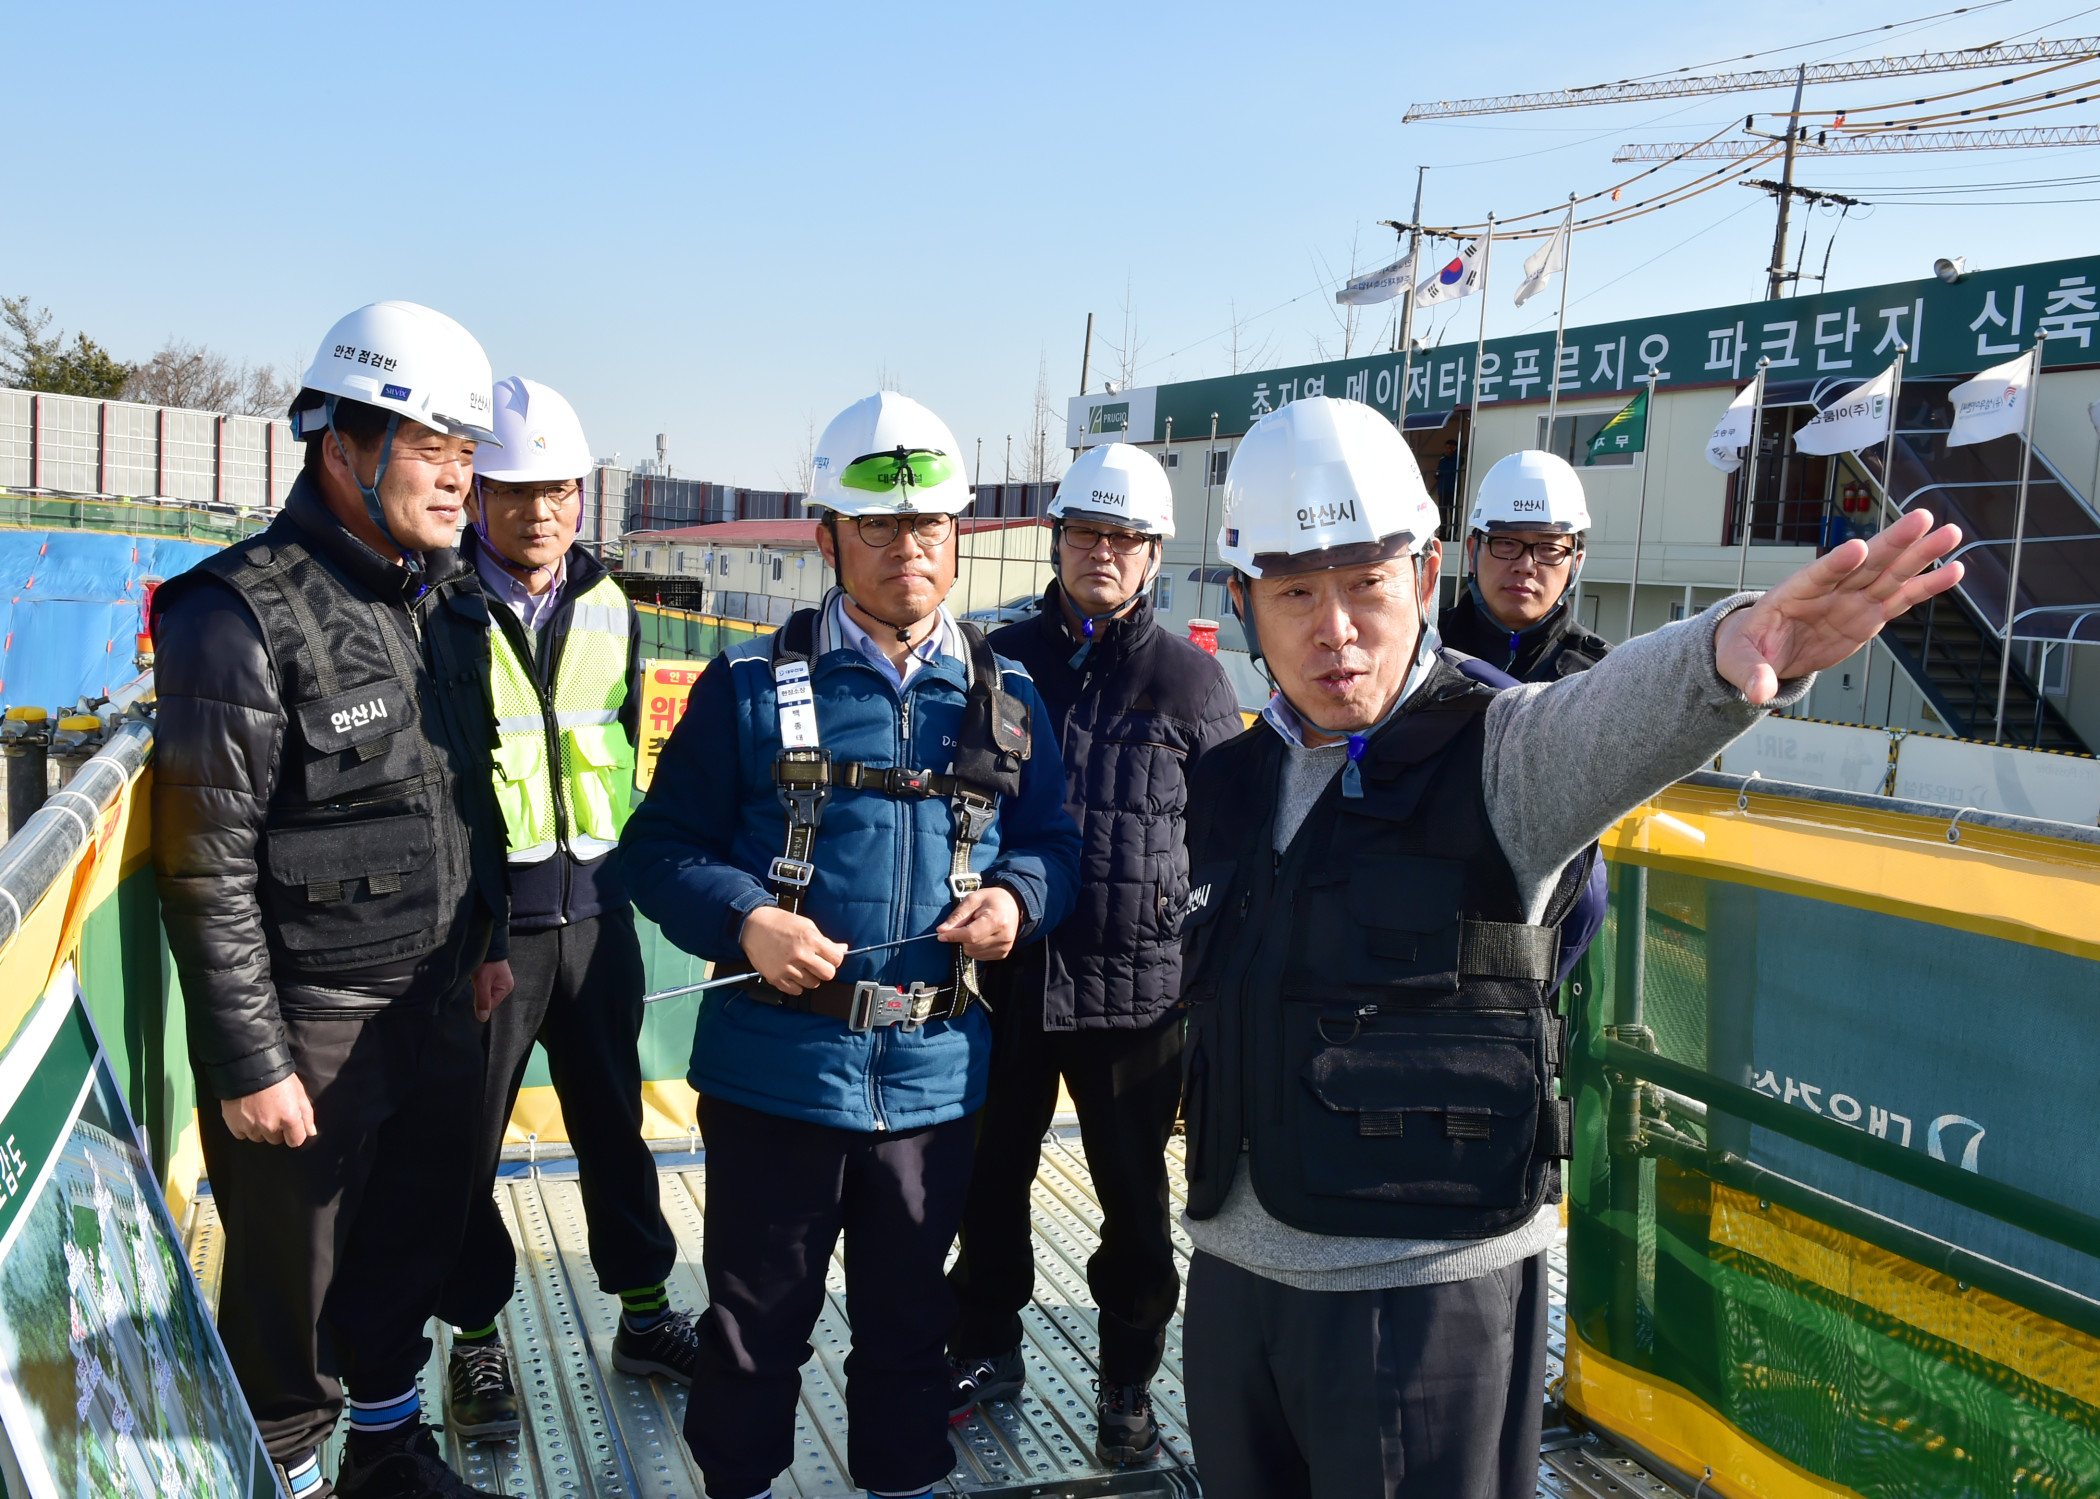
(400, 1464)
(999, 1376)
(671, 1348)
(480, 1399)
(1127, 1433)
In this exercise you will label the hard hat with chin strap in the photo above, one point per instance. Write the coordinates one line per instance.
(412, 363)
(888, 455)
(1117, 484)
(1323, 483)
(541, 441)
(1530, 491)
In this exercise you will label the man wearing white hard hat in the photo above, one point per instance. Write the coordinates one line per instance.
(330, 862)
(1524, 544)
(1096, 1005)
(1372, 948)
(855, 811)
(565, 676)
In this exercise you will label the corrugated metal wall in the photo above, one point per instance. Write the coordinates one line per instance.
(74, 445)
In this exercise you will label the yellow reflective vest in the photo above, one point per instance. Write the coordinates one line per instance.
(584, 806)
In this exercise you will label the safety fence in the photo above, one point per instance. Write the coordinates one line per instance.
(1920, 767)
(682, 635)
(80, 446)
(1833, 1220)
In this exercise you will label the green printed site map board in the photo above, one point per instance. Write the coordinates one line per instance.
(112, 1377)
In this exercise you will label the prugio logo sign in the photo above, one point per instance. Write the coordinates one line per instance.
(1114, 417)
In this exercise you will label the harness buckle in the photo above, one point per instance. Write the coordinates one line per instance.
(878, 1005)
(960, 885)
(795, 872)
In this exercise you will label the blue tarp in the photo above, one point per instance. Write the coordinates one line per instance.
(70, 610)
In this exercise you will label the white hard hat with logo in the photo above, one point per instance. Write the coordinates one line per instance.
(888, 455)
(542, 441)
(1530, 491)
(1117, 484)
(1323, 483)
(405, 359)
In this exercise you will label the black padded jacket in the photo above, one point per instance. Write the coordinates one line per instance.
(1557, 646)
(228, 786)
(1131, 720)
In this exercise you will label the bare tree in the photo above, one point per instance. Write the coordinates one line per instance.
(805, 479)
(1347, 318)
(1045, 461)
(1126, 352)
(888, 379)
(193, 376)
(1243, 358)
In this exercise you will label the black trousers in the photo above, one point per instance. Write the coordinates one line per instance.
(579, 994)
(1126, 1086)
(335, 1251)
(779, 1193)
(1420, 1392)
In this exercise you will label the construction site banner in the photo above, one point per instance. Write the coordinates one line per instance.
(112, 1377)
(1951, 329)
(1833, 1226)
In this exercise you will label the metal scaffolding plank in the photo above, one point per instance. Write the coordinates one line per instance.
(591, 1432)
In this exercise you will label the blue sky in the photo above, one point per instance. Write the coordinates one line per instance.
(727, 223)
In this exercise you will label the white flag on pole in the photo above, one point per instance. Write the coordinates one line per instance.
(1461, 278)
(1852, 422)
(1546, 262)
(1991, 405)
(1724, 450)
(1378, 286)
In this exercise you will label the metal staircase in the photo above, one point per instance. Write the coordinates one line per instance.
(1952, 648)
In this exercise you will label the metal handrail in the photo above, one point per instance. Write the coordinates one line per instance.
(42, 850)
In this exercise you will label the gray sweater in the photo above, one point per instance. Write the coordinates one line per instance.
(1564, 761)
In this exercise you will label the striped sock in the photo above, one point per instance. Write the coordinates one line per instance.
(478, 1335)
(643, 1309)
(306, 1477)
(368, 1417)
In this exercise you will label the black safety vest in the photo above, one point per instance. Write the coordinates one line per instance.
(1370, 1016)
(364, 858)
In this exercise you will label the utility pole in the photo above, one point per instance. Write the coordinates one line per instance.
(1407, 311)
(1776, 276)
(1086, 363)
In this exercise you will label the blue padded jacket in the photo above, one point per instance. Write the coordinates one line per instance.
(694, 856)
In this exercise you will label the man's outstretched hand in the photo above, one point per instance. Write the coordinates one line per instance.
(1835, 605)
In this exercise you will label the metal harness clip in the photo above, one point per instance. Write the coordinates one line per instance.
(878, 1005)
(960, 885)
(795, 872)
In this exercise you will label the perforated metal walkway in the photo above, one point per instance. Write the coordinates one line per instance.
(590, 1430)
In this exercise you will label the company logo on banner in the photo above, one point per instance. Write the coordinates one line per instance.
(1119, 416)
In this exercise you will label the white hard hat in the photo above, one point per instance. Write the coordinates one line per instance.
(541, 438)
(406, 359)
(1323, 483)
(889, 455)
(1118, 485)
(1530, 491)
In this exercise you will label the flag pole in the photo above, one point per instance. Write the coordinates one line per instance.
(2012, 582)
(1888, 503)
(1465, 471)
(1560, 329)
(1640, 514)
(1757, 423)
(1210, 464)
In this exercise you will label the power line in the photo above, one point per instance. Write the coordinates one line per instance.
(1843, 36)
(1952, 61)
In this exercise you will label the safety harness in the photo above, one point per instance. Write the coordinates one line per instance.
(992, 742)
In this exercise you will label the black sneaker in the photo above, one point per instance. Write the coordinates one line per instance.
(999, 1376)
(399, 1464)
(480, 1399)
(1127, 1433)
(670, 1348)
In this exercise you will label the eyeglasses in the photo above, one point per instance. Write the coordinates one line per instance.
(1545, 553)
(898, 469)
(499, 492)
(1084, 539)
(882, 530)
